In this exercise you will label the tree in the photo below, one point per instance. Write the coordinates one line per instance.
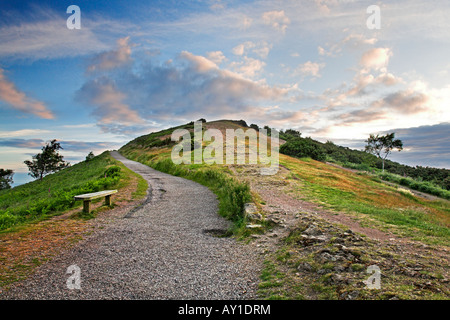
(6, 178)
(46, 162)
(90, 156)
(293, 133)
(382, 146)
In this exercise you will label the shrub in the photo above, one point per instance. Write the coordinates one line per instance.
(113, 171)
(303, 147)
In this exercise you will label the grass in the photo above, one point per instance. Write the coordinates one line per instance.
(53, 195)
(360, 194)
(33, 241)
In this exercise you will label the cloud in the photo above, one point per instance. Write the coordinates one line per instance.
(44, 35)
(354, 41)
(108, 103)
(216, 56)
(375, 59)
(248, 68)
(324, 5)
(276, 19)
(67, 145)
(261, 49)
(189, 87)
(362, 116)
(404, 101)
(364, 81)
(23, 132)
(113, 58)
(22, 143)
(310, 69)
(19, 100)
(198, 63)
(424, 145)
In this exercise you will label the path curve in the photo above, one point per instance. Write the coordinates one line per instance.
(157, 251)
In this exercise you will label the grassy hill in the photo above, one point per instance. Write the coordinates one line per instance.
(413, 230)
(53, 195)
(359, 193)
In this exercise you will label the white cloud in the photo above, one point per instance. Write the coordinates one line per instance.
(324, 5)
(108, 103)
(113, 58)
(248, 68)
(216, 56)
(311, 69)
(375, 59)
(277, 19)
(47, 39)
(260, 49)
(23, 133)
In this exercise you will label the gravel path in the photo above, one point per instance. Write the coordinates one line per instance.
(161, 250)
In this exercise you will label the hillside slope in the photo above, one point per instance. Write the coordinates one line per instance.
(40, 219)
(319, 226)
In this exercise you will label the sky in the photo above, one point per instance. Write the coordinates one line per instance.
(335, 70)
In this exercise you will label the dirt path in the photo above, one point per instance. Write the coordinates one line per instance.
(160, 250)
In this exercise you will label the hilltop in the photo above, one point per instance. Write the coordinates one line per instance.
(320, 226)
(318, 223)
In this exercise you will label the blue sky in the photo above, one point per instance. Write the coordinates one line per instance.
(135, 67)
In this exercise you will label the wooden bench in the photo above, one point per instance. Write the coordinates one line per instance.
(90, 196)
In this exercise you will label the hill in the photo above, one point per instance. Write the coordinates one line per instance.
(319, 226)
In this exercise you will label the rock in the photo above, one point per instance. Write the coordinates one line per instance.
(251, 212)
(312, 230)
(273, 219)
(325, 256)
(308, 240)
(337, 278)
(352, 295)
(304, 267)
(339, 268)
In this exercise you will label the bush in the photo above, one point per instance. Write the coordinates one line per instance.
(303, 147)
(113, 171)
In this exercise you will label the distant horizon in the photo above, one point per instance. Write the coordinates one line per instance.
(352, 144)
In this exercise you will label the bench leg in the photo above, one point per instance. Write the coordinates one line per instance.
(87, 206)
(108, 200)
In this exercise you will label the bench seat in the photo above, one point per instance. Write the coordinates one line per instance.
(88, 197)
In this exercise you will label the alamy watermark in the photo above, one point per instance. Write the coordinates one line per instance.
(74, 281)
(374, 20)
(74, 21)
(374, 281)
(236, 142)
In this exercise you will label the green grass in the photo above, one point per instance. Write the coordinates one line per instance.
(367, 197)
(53, 195)
(423, 186)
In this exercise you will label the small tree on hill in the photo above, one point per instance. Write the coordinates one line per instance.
(382, 146)
(90, 156)
(46, 162)
(6, 178)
